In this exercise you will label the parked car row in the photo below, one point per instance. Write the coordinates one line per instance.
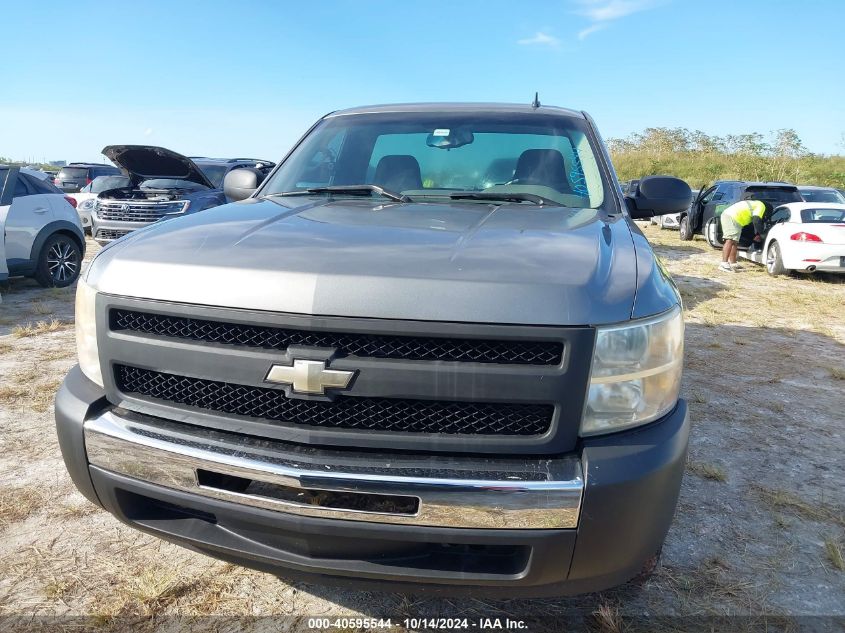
(787, 243)
(160, 184)
(44, 223)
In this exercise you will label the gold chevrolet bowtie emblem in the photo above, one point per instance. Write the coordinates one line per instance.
(309, 376)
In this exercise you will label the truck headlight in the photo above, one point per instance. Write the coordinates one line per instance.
(636, 373)
(86, 332)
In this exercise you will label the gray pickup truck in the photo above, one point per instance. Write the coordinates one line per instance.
(430, 352)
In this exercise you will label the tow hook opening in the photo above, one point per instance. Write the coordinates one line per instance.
(329, 499)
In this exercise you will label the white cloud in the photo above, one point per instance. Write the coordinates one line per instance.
(602, 12)
(584, 33)
(540, 39)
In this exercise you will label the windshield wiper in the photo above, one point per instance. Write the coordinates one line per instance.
(504, 197)
(352, 190)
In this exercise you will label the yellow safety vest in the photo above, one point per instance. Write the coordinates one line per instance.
(743, 211)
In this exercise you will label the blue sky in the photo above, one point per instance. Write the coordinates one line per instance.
(247, 78)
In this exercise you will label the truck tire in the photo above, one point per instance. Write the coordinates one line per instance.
(684, 229)
(774, 261)
(59, 262)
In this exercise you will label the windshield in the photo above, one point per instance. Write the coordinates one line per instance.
(435, 154)
(822, 195)
(73, 173)
(214, 173)
(822, 215)
(104, 183)
(172, 183)
(773, 195)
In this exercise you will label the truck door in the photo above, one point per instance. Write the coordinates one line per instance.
(697, 210)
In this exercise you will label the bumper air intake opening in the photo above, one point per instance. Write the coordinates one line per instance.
(335, 500)
(142, 509)
(460, 558)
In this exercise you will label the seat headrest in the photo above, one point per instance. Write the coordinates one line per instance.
(542, 167)
(398, 172)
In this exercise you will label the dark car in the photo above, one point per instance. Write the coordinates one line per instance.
(162, 184)
(77, 175)
(710, 202)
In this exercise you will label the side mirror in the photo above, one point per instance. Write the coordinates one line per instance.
(240, 184)
(657, 195)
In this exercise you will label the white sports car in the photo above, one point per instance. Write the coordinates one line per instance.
(804, 237)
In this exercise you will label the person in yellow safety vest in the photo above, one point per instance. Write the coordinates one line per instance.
(734, 219)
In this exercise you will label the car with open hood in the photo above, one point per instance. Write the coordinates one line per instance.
(162, 184)
(430, 351)
(87, 196)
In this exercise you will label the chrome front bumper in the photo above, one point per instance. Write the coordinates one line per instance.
(469, 492)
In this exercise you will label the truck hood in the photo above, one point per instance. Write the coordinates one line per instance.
(144, 162)
(466, 262)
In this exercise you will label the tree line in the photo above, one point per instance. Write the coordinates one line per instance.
(701, 158)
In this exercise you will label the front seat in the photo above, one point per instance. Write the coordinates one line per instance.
(544, 167)
(398, 172)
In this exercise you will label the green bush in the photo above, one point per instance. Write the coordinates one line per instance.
(700, 159)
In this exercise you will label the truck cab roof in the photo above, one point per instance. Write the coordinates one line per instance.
(458, 107)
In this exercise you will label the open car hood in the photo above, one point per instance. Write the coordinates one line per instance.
(144, 162)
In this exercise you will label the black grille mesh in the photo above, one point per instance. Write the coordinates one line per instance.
(377, 414)
(347, 344)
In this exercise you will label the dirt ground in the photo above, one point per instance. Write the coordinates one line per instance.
(759, 535)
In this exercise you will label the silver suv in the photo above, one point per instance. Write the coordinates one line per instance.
(40, 232)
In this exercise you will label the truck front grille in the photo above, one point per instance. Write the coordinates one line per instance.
(136, 211)
(517, 352)
(374, 414)
(109, 234)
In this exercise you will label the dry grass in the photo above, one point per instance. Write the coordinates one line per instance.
(40, 307)
(30, 387)
(157, 589)
(606, 619)
(834, 553)
(59, 588)
(6, 347)
(838, 373)
(7, 319)
(710, 588)
(41, 327)
(714, 472)
(19, 502)
(74, 511)
(784, 501)
(43, 395)
(27, 374)
(61, 293)
(781, 522)
(12, 394)
(62, 352)
(751, 297)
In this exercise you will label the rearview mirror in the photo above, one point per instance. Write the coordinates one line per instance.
(240, 184)
(657, 195)
(444, 138)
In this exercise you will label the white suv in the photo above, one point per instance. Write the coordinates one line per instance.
(40, 232)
